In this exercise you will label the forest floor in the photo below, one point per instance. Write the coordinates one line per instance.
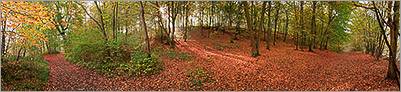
(230, 67)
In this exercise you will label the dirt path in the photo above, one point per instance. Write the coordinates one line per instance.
(232, 68)
(67, 76)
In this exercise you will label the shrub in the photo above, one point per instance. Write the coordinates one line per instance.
(183, 56)
(113, 57)
(145, 65)
(54, 42)
(31, 73)
(197, 77)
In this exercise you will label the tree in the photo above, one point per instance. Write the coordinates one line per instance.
(172, 17)
(277, 6)
(255, 49)
(186, 10)
(147, 47)
(286, 23)
(238, 18)
(269, 29)
(393, 23)
(25, 23)
(262, 17)
(299, 41)
(313, 25)
(100, 23)
(115, 15)
(63, 17)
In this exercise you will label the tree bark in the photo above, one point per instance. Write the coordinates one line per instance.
(392, 72)
(254, 51)
(186, 22)
(286, 25)
(312, 39)
(300, 43)
(3, 35)
(275, 22)
(146, 31)
(101, 21)
(269, 29)
(114, 27)
(238, 22)
(173, 18)
(392, 67)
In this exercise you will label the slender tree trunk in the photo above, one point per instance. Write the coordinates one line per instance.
(230, 15)
(201, 18)
(275, 22)
(169, 24)
(101, 22)
(173, 18)
(301, 43)
(254, 51)
(3, 36)
(296, 39)
(238, 22)
(210, 15)
(262, 17)
(161, 25)
(186, 23)
(146, 31)
(379, 48)
(117, 24)
(286, 25)
(114, 20)
(312, 39)
(19, 53)
(269, 29)
(321, 37)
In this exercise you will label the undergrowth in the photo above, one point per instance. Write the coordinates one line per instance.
(182, 56)
(115, 57)
(29, 73)
(197, 77)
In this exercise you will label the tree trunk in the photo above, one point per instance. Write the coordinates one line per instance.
(3, 36)
(146, 31)
(19, 54)
(201, 18)
(102, 28)
(312, 39)
(275, 22)
(392, 69)
(186, 23)
(238, 21)
(286, 25)
(210, 15)
(254, 51)
(262, 17)
(174, 11)
(302, 25)
(269, 29)
(161, 25)
(114, 27)
(230, 21)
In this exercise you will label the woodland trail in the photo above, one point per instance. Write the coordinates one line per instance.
(232, 68)
(65, 76)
